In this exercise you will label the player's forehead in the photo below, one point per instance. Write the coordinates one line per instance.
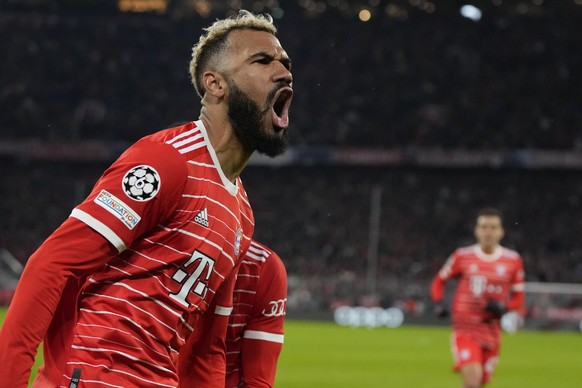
(243, 44)
(488, 220)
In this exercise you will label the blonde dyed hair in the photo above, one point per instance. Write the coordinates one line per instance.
(212, 44)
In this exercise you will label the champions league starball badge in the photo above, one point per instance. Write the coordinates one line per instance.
(141, 183)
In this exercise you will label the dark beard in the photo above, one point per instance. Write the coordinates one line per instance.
(247, 121)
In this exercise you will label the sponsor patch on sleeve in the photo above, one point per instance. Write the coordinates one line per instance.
(119, 209)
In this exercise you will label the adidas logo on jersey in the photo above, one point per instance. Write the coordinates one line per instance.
(202, 218)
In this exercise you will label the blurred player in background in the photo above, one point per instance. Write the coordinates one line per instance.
(254, 331)
(117, 290)
(491, 282)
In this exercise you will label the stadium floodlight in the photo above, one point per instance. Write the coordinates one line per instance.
(471, 12)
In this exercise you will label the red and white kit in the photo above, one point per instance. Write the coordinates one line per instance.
(255, 330)
(482, 277)
(120, 285)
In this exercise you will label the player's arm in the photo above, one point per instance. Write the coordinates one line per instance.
(438, 285)
(516, 299)
(71, 252)
(517, 293)
(263, 336)
(98, 229)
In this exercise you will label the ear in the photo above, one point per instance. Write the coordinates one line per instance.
(214, 84)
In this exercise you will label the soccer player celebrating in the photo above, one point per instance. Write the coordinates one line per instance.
(117, 290)
(491, 282)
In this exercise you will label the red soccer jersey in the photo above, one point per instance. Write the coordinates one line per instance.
(202, 361)
(179, 226)
(482, 277)
(255, 330)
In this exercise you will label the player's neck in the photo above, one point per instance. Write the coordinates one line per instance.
(488, 249)
(231, 155)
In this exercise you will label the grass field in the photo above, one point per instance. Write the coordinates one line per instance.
(325, 355)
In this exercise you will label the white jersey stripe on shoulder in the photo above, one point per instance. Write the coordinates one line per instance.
(117, 371)
(100, 227)
(259, 250)
(183, 135)
(188, 140)
(193, 147)
(264, 336)
(200, 164)
(260, 258)
(257, 246)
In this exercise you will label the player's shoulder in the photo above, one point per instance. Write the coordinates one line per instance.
(187, 140)
(265, 258)
(174, 134)
(465, 251)
(510, 254)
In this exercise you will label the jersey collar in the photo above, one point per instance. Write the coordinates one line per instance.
(488, 257)
(231, 187)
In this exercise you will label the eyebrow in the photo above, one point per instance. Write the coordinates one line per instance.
(285, 60)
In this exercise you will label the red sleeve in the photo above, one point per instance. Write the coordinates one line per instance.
(438, 285)
(71, 252)
(263, 336)
(517, 298)
(437, 289)
(516, 302)
(139, 191)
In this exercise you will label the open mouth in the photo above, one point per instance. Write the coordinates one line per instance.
(280, 109)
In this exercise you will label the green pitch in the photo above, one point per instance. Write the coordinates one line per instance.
(325, 355)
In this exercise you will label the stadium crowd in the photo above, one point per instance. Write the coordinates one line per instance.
(318, 220)
(433, 80)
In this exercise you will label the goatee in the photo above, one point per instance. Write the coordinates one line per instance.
(248, 120)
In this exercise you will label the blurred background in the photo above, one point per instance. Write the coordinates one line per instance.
(408, 116)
